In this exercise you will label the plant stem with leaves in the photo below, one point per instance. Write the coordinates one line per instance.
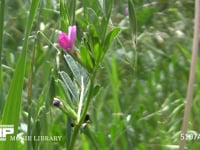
(88, 100)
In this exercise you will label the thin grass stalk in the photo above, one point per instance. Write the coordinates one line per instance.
(2, 6)
(29, 91)
(192, 75)
(12, 106)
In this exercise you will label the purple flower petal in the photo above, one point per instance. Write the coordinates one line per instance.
(126, 11)
(72, 34)
(64, 41)
(67, 41)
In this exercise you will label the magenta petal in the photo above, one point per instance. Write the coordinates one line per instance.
(72, 34)
(65, 41)
(126, 11)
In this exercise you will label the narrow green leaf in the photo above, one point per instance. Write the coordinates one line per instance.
(2, 6)
(96, 90)
(86, 58)
(70, 85)
(109, 38)
(96, 51)
(71, 8)
(184, 51)
(94, 21)
(103, 29)
(132, 19)
(65, 90)
(112, 34)
(108, 8)
(74, 68)
(13, 102)
(63, 15)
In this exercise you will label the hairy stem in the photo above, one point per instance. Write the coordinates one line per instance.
(192, 74)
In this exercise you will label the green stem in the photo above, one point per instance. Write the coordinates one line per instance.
(74, 135)
(78, 126)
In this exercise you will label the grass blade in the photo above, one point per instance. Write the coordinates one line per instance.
(1, 26)
(70, 85)
(133, 20)
(2, 6)
(74, 68)
(13, 102)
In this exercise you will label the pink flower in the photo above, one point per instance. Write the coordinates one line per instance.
(67, 41)
(126, 11)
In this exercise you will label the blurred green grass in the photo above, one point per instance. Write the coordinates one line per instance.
(140, 103)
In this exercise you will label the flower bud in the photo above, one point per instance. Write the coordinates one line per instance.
(64, 107)
(67, 41)
(57, 102)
